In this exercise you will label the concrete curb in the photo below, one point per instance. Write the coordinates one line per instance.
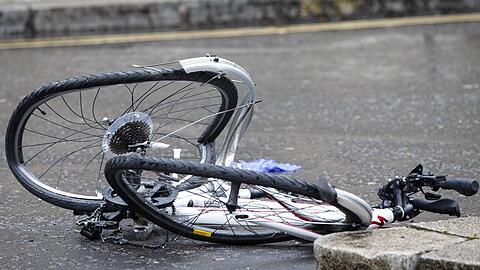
(449, 244)
(30, 18)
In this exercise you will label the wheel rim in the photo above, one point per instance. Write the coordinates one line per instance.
(65, 130)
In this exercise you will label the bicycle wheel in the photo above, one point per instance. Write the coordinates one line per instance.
(202, 214)
(60, 135)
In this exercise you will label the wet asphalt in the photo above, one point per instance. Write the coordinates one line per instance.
(356, 107)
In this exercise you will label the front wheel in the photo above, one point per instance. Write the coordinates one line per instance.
(202, 213)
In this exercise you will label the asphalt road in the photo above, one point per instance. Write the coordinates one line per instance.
(354, 106)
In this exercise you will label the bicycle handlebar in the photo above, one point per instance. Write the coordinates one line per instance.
(397, 194)
(443, 206)
(463, 186)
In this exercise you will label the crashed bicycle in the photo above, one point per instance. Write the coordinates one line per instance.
(75, 144)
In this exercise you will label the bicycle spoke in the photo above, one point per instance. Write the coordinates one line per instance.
(147, 93)
(174, 120)
(66, 156)
(168, 104)
(150, 92)
(74, 112)
(176, 93)
(49, 146)
(93, 109)
(198, 107)
(132, 98)
(62, 117)
(65, 140)
(89, 162)
(65, 127)
(154, 106)
(81, 111)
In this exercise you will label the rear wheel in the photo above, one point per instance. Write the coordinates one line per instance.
(202, 214)
(60, 136)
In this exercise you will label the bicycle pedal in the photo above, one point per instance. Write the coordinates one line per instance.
(91, 232)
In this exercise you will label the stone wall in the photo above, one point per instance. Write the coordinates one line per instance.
(40, 18)
(332, 10)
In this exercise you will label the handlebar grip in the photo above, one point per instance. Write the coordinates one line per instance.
(443, 206)
(463, 186)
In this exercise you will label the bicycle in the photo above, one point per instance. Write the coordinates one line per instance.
(200, 199)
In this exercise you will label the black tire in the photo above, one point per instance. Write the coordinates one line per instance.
(115, 166)
(21, 115)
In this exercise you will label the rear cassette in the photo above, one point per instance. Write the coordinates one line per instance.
(130, 129)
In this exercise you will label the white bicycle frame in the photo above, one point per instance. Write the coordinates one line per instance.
(284, 213)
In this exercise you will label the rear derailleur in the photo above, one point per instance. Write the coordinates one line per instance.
(106, 221)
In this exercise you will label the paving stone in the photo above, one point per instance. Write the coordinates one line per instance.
(392, 248)
(467, 227)
(465, 256)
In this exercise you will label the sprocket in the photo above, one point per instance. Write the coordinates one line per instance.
(130, 129)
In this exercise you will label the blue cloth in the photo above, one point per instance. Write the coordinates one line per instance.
(268, 165)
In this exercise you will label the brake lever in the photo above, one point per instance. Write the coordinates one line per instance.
(429, 180)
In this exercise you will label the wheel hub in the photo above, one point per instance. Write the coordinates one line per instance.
(130, 129)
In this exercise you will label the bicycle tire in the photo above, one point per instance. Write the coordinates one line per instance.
(22, 113)
(116, 165)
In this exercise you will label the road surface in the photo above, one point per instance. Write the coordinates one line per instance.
(356, 107)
